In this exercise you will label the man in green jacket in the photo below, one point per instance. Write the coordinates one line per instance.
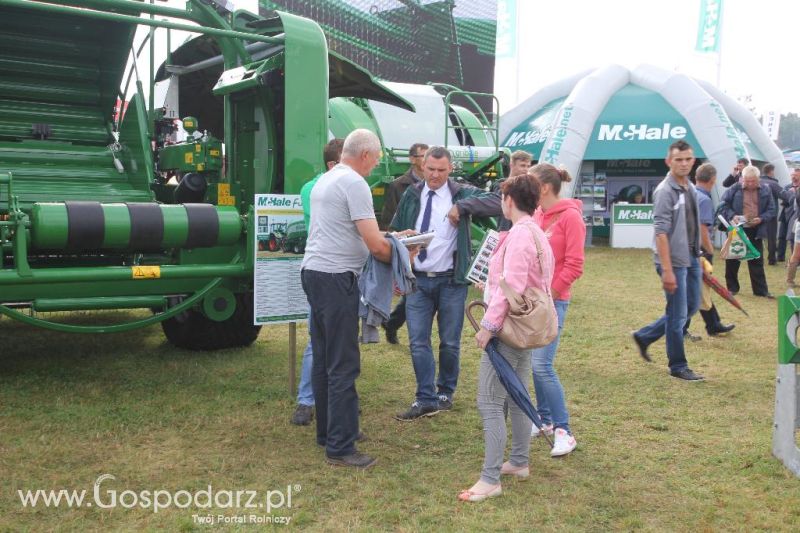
(441, 271)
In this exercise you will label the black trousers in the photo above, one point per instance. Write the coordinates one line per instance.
(772, 237)
(398, 315)
(337, 359)
(781, 251)
(756, 267)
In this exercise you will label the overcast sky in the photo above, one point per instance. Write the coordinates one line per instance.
(760, 45)
(557, 38)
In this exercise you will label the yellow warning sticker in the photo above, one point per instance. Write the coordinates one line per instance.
(200, 167)
(213, 153)
(224, 194)
(146, 272)
(378, 191)
(188, 158)
(197, 148)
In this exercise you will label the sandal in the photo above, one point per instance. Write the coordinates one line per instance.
(521, 472)
(472, 496)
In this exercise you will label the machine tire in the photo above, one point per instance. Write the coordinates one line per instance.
(273, 245)
(192, 330)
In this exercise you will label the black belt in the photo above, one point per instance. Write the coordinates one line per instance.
(420, 273)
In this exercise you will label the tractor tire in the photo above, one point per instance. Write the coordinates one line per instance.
(192, 330)
(273, 245)
(296, 249)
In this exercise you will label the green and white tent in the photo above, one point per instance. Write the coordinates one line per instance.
(614, 113)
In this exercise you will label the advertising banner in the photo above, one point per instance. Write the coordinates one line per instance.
(772, 123)
(709, 26)
(632, 226)
(280, 235)
(412, 42)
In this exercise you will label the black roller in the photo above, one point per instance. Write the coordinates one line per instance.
(86, 225)
(191, 189)
(147, 226)
(203, 225)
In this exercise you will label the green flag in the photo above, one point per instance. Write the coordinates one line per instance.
(709, 26)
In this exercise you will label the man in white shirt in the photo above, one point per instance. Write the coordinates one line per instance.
(441, 272)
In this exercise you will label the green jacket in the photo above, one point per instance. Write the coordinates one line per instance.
(408, 212)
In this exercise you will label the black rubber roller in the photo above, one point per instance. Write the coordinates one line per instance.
(147, 227)
(203, 225)
(87, 225)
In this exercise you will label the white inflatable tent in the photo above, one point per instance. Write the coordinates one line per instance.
(614, 113)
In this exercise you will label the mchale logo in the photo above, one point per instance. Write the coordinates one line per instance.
(553, 150)
(640, 132)
(523, 138)
(634, 214)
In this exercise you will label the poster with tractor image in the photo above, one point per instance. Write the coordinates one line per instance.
(280, 235)
(279, 224)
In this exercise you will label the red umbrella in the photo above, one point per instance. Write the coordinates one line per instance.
(714, 283)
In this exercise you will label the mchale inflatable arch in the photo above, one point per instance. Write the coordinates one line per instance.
(709, 113)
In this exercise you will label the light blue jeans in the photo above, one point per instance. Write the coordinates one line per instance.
(305, 393)
(550, 401)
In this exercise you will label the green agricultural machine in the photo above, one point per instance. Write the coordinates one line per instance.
(103, 206)
(91, 217)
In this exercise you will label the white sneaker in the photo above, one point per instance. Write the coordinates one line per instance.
(536, 432)
(564, 443)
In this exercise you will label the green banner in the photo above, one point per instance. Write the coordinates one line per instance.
(632, 214)
(506, 28)
(709, 26)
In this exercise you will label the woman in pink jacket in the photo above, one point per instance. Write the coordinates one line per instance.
(562, 222)
(515, 260)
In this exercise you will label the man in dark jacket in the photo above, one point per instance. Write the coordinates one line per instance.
(768, 178)
(749, 202)
(441, 271)
(736, 175)
(788, 217)
(394, 191)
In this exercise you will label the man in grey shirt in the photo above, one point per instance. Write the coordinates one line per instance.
(343, 233)
(676, 251)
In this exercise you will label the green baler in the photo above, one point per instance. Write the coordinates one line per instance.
(89, 214)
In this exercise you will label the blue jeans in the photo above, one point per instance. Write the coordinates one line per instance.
(681, 305)
(305, 393)
(445, 298)
(550, 402)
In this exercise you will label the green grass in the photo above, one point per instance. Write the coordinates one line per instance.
(654, 453)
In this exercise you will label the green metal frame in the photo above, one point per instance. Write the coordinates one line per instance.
(298, 136)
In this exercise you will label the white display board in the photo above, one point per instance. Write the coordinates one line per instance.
(632, 225)
(278, 291)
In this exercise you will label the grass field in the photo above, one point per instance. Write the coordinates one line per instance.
(654, 453)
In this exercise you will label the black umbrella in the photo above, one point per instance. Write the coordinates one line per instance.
(508, 378)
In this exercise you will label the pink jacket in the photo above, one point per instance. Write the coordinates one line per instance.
(564, 227)
(515, 260)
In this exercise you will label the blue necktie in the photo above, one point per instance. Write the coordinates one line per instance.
(426, 222)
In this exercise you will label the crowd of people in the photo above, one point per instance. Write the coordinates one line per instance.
(541, 246)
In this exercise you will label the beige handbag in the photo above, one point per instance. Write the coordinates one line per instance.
(532, 321)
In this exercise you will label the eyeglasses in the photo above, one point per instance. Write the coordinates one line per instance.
(416, 155)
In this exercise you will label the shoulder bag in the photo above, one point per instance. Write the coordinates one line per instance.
(532, 321)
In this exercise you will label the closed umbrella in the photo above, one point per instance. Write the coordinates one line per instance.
(720, 289)
(508, 378)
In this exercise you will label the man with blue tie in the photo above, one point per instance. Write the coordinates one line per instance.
(441, 272)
